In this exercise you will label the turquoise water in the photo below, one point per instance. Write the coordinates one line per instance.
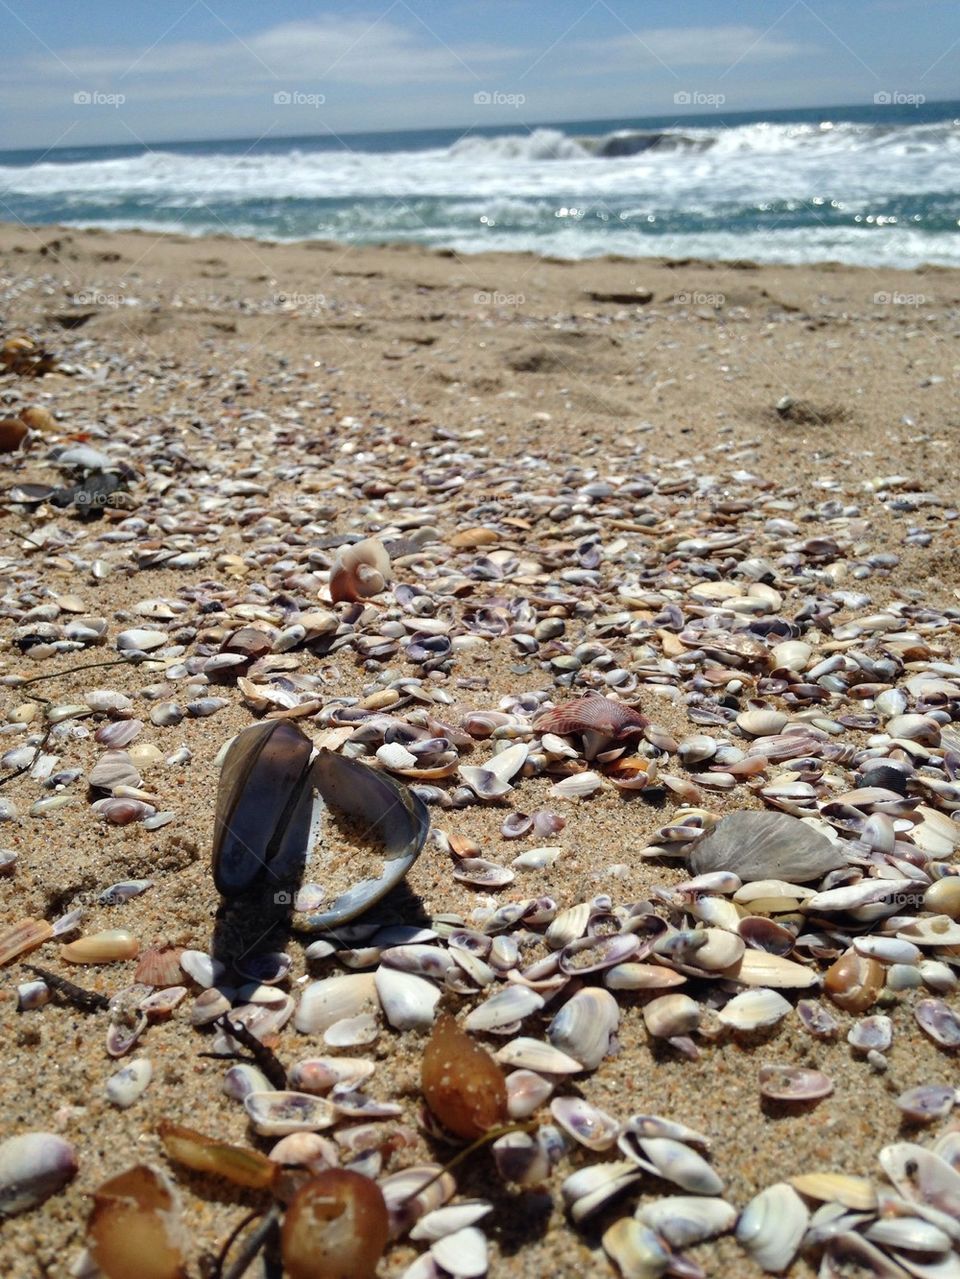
(871, 184)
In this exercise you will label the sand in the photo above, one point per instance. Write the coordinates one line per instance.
(545, 357)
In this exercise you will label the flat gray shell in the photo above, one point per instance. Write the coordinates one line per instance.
(765, 846)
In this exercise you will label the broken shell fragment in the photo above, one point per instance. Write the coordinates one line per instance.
(135, 1228)
(336, 1226)
(274, 1114)
(359, 570)
(638, 1251)
(22, 937)
(238, 1164)
(853, 982)
(793, 1083)
(33, 1166)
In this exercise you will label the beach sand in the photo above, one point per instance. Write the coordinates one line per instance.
(276, 369)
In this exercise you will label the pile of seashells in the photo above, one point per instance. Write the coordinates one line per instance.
(808, 773)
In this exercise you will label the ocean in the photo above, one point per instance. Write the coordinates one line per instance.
(871, 185)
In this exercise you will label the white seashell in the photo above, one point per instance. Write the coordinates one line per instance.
(203, 968)
(583, 1027)
(856, 1193)
(504, 1009)
(791, 654)
(244, 1078)
(633, 976)
(638, 1252)
(912, 1233)
(419, 958)
(761, 968)
(33, 1166)
(446, 1221)
(670, 1015)
(299, 1149)
(676, 1162)
(319, 1074)
(880, 893)
(587, 1190)
(752, 1009)
(532, 1054)
(409, 1002)
(413, 1192)
(569, 925)
(507, 763)
(889, 950)
(587, 1124)
(536, 858)
(526, 1092)
(772, 1225)
(577, 786)
(687, 1219)
(922, 1176)
(393, 755)
(462, 1254)
(931, 930)
(334, 998)
(141, 640)
(352, 1032)
(638, 1126)
(127, 1084)
(275, 1113)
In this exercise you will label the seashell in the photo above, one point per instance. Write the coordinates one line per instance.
(121, 812)
(23, 936)
(772, 1225)
(910, 1233)
(927, 1102)
(532, 1054)
(760, 968)
(687, 1219)
(124, 891)
(762, 722)
(113, 769)
(856, 1193)
(482, 873)
(319, 1074)
(793, 1083)
(592, 954)
(931, 930)
(871, 1034)
(504, 1009)
(577, 786)
(670, 1015)
(656, 1126)
(409, 1002)
(33, 1166)
(526, 1092)
(888, 950)
(336, 1224)
(141, 640)
(413, 1192)
(359, 570)
(675, 1161)
(922, 1177)
(568, 926)
(101, 948)
(525, 1161)
(129, 1082)
(943, 897)
(202, 968)
(754, 1010)
(883, 894)
(158, 967)
(32, 995)
(118, 733)
(161, 1003)
(445, 1221)
(765, 846)
(637, 1251)
(462, 1254)
(590, 1189)
(305, 1149)
(352, 1032)
(246, 1078)
(276, 1113)
(938, 1021)
(588, 1125)
(136, 1216)
(853, 982)
(334, 998)
(632, 976)
(581, 1030)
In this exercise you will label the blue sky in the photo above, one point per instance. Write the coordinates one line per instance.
(105, 71)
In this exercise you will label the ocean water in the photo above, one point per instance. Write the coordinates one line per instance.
(875, 185)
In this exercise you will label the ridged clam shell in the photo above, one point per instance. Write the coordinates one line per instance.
(772, 1225)
(33, 1166)
(583, 1026)
(765, 846)
(275, 1113)
(687, 1219)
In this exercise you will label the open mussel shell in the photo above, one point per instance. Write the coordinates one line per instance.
(270, 810)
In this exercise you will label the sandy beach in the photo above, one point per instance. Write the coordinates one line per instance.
(269, 402)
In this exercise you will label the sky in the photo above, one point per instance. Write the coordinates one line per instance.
(123, 71)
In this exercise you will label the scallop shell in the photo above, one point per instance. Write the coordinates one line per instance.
(583, 1027)
(765, 846)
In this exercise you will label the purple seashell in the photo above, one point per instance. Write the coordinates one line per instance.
(516, 825)
(938, 1020)
(118, 733)
(547, 823)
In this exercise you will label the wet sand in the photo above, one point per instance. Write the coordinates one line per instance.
(242, 376)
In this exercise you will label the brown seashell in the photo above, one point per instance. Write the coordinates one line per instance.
(598, 719)
(12, 433)
(23, 936)
(135, 1230)
(238, 1164)
(853, 982)
(359, 570)
(38, 419)
(159, 966)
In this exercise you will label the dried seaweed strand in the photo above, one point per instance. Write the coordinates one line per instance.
(90, 1001)
(17, 772)
(493, 1135)
(265, 1057)
(254, 1243)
